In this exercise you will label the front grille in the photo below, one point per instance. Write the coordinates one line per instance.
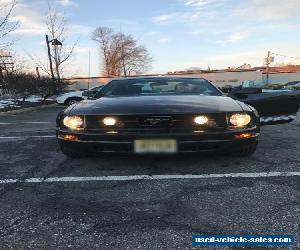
(163, 123)
(157, 121)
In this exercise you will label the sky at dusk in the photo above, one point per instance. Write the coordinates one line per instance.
(179, 34)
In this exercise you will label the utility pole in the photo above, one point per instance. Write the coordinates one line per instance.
(123, 56)
(1, 75)
(89, 74)
(268, 61)
(57, 62)
(37, 72)
(4, 66)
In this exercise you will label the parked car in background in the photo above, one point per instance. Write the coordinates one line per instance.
(292, 85)
(271, 103)
(281, 85)
(77, 96)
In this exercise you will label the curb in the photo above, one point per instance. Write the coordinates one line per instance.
(265, 120)
(13, 112)
(297, 120)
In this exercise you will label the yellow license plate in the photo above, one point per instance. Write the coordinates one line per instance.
(155, 146)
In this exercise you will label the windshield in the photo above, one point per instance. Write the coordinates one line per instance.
(144, 87)
(96, 88)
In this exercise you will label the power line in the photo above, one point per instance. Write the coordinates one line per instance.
(285, 56)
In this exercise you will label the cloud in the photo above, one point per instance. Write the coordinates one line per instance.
(30, 20)
(230, 22)
(245, 10)
(43, 43)
(164, 18)
(193, 11)
(200, 4)
(80, 29)
(163, 40)
(236, 58)
(237, 37)
(266, 10)
(84, 49)
(152, 33)
(66, 3)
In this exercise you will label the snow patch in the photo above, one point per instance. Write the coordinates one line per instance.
(32, 98)
(6, 103)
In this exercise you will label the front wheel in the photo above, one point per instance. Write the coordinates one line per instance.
(245, 150)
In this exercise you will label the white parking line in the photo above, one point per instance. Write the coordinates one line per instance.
(26, 137)
(13, 123)
(149, 177)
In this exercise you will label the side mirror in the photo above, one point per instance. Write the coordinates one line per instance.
(226, 89)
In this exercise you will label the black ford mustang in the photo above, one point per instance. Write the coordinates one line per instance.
(158, 115)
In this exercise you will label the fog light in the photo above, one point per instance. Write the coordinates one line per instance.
(109, 121)
(244, 135)
(69, 137)
(201, 120)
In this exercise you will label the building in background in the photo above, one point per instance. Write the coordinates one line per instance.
(220, 78)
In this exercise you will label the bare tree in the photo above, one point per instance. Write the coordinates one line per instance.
(105, 37)
(59, 50)
(57, 28)
(6, 25)
(120, 53)
(21, 85)
(134, 58)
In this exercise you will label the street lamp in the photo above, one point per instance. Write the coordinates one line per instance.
(55, 43)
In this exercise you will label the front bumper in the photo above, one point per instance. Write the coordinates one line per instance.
(196, 141)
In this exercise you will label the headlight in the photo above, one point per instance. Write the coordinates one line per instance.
(201, 120)
(73, 122)
(240, 120)
(109, 121)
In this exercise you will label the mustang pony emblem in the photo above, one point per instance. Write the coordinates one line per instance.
(157, 121)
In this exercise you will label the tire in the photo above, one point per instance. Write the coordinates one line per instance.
(72, 100)
(72, 153)
(245, 151)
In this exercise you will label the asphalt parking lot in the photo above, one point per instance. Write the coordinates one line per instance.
(73, 210)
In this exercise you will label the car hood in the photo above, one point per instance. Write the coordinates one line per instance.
(73, 93)
(156, 105)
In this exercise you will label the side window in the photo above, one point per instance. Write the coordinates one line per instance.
(146, 88)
